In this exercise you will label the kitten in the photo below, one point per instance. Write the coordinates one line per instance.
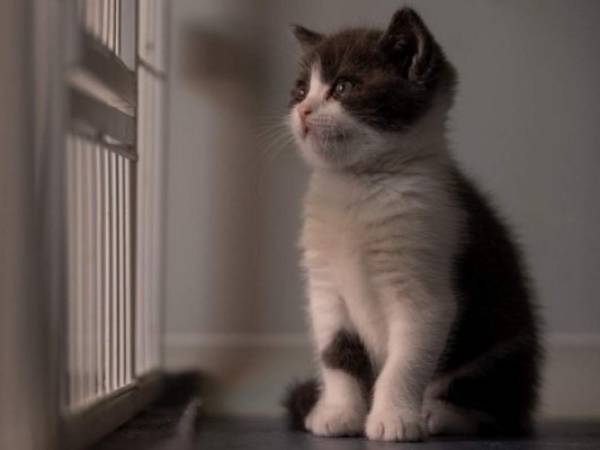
(421, 315)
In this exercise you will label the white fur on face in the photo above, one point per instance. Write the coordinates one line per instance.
(334, 139)
(337, 140)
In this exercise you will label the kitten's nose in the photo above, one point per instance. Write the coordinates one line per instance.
(304, 111)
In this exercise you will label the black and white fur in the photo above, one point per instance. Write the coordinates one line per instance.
(420, 311)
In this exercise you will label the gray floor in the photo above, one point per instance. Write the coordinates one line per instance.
(271, 434)
(163, 428)
(176, 422)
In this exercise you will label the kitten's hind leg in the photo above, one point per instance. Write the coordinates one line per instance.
(491, 395)
(443, 418)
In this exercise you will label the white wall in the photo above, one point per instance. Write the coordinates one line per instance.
(525, 124)
(26, 379)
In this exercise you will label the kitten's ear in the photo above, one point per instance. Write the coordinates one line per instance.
(408, 42)
(307, 38)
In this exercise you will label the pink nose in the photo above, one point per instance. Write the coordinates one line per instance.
(304, 112)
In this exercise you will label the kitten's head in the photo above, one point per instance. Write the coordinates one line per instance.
(365, 99)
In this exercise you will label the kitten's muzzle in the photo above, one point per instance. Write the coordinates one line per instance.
(327, 133)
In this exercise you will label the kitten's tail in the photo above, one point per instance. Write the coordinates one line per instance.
(299, 401)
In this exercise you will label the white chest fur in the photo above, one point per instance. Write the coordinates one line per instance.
(330, 214)
(360, 237)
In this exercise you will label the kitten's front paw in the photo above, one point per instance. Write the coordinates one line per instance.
(390, 424)
(335, 420)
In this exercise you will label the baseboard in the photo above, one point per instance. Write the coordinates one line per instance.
(570, 383)
(244, 374)
(249, 372)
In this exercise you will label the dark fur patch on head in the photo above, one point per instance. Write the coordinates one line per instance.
(346, 352)
(395, 74)
(307, 38)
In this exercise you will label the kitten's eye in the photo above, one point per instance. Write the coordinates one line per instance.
(342, 88)
(298, 93)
